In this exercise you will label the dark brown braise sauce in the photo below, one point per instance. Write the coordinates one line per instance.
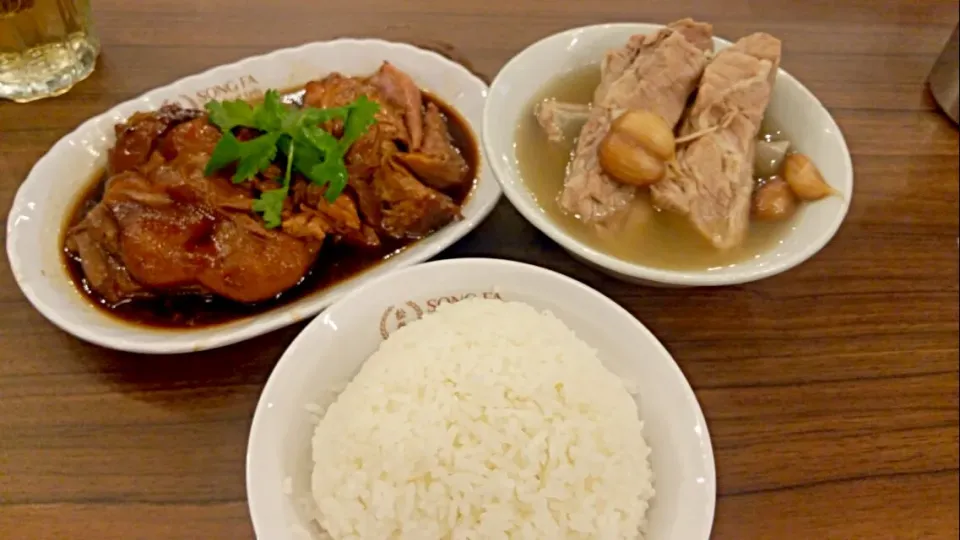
(335, 264)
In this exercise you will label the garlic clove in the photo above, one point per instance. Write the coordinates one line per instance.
(649, 131)
(805, 179)
(622, 159)
(636, 148)
(774, 201)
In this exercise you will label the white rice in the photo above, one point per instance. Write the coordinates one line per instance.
(484, 420)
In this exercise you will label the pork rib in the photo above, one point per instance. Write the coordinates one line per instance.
(657, 72)
(556, 117)
(712, 181)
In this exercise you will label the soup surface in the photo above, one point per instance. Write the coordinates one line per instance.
(652, 237)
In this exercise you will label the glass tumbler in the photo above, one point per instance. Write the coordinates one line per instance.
(944, 78)
(46, 47)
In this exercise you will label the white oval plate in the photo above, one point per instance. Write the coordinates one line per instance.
(39, 211)
(331, 349)
(804, 120)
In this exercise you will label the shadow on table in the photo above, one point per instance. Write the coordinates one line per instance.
(187, 381)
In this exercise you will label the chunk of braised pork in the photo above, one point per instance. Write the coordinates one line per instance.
(139, 135)
(408, 208)
(437, 163)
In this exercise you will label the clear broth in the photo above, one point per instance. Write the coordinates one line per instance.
(659, 239)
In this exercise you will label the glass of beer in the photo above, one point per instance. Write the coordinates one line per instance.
(46, 47)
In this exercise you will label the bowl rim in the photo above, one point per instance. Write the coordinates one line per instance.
(257, 442)
(118, 337)
(513, 187)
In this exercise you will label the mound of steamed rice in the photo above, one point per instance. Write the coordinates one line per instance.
(484, 420)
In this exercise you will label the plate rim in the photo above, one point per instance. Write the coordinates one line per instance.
(255, 441)
(273, 319)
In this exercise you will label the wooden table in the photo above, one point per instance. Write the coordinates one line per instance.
(831, 391)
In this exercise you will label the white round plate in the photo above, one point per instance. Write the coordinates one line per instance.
(804, 120)
(39, 212)
(331, 349)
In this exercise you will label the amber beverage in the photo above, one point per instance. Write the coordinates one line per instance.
(46, 47)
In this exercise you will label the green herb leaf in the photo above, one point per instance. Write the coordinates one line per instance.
(287, 175)
(298, 134)
(229, 114)
(226, 152)
(270, 115)
(332, 171)
(320, 139)
(333, 174)
(362, 115)
(306, 155)
(313, 117)
(326, 165)
(255, 156)
(251, 156)
(270, 205)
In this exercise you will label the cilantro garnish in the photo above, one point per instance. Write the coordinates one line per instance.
(251, 156)
(270, 203)
(309, 149)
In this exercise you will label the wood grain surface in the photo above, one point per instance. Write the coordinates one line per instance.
(831, 391)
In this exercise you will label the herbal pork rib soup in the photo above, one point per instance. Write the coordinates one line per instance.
(665, 240)
(484, 419)
(659, 156)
